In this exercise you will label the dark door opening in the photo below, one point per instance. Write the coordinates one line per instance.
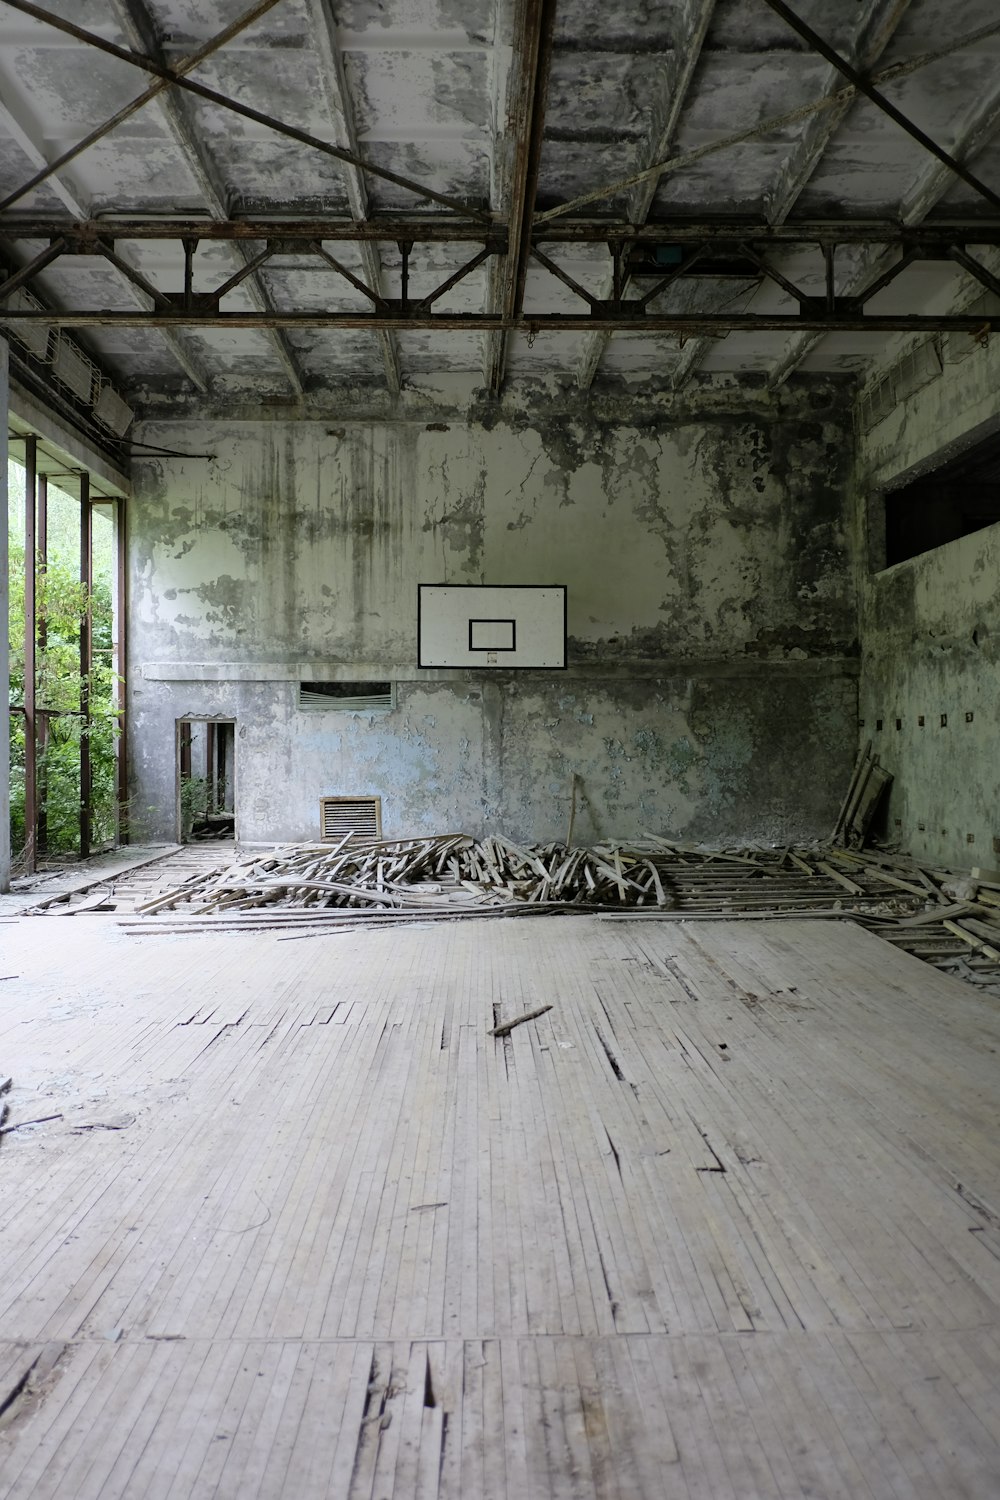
(206, 779)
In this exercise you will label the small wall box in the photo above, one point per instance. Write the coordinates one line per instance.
(512, 627)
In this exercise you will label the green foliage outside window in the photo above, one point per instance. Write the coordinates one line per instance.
(61, 605)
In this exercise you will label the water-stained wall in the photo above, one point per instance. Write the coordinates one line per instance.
(930, 688)
(711, 689)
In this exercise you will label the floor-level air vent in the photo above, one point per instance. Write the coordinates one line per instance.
(349, 697)
(340, 816)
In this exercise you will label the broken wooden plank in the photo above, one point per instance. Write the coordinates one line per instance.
(529, 1015)
(973, 939)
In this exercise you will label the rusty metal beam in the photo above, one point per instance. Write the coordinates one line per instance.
(42, 718)
(334, 79)
(120, 668)
(212, 96)
(926, 189)
(865, 86)
(981, 273)
(876, 25)
(86, 664)
(534, 24)
(765, 127)
(69, 195)
(38, 263)
(139, 27)
(335, 265)
(464, 270)
(49, 169)
(83, 237)
(30, 665)
(605, 316)
(695, 18)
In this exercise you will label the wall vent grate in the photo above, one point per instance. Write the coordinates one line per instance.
(342, 816)
(908, 374)
(347, 697)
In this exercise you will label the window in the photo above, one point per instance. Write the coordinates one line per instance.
(960, 497)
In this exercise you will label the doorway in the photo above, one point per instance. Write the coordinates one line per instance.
(206, 779)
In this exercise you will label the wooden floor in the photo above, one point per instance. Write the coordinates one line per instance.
(723, 1223)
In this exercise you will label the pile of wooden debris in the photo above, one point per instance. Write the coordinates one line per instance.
(453, 876)
(450, 875)
(949, 919)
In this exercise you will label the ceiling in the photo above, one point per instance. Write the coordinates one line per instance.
(388, 191)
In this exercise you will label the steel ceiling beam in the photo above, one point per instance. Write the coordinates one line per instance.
(139, 27)
(32, 268)
(534, 24)
(926, 189)
(976, 132)
(507, 83)
(876, 25)
(86, 237)
(212, 96)
(338, 101)
(53, 174)
(981, 273)
(70, 196)
(764, 127)
(811, 318)
(49, 169)
(865, 86)
(694, 20)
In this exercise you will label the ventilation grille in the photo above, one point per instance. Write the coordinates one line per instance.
(339, 817)
(908, 374)
(348, 697)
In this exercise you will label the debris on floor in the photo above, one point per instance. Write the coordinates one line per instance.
(950, 920)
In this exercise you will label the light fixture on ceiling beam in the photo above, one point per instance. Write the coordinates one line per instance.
(112, 412)
(70, 365)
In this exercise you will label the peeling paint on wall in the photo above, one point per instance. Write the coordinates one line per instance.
(931, 632)
(710, 692)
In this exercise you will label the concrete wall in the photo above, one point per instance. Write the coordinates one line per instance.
(931, 629)
(711, 691)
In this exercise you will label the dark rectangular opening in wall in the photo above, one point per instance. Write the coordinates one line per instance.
(955, 500)
(358, 697)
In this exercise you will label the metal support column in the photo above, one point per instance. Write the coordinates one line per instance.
(41, 636)
(211, 766)
(30, 633)
(86, 662)
(121, 759)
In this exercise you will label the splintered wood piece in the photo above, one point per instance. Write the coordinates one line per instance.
(852, 886)
(970, 937)
(661, 899)
(529, 1015)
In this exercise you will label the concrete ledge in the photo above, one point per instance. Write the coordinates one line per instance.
(593, 671)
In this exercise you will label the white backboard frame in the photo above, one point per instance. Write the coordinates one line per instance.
(500, 627)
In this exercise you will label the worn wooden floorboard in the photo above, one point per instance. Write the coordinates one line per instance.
(723, 1224)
